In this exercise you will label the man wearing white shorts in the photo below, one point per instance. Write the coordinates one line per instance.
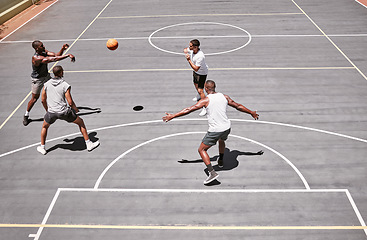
(219, 125)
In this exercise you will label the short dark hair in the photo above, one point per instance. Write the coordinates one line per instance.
(36, 43)
(211, 85)
(195, 42)
(57, 70)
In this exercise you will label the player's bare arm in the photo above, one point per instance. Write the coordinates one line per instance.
(70, 100)
(58, 58)
(241, 108)
(44, 99)
(193, 66)
(63, 48)
(200, 104)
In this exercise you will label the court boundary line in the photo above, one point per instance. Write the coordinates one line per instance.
(202, 15)
(111, 164)
(190, 227)
(212, 69)
(331, 41)
(228, 36)
(190, 119)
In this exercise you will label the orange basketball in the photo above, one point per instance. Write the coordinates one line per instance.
(112, 44)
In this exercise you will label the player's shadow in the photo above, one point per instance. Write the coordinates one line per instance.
(75, 144)
(89, 109)
(229, 160)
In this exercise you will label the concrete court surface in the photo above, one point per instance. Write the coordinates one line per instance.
(301, 64)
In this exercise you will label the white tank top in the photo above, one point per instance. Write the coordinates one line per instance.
(216, 113)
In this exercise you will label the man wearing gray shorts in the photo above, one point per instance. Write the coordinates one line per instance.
(219, 125)
(57, 100)
(40, 73)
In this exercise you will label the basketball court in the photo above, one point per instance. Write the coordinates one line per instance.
(301, 64)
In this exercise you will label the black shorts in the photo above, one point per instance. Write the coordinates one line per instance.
(199, 80)
(69, 115)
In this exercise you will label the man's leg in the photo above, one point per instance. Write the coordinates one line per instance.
(82, 128)
(90, 145)
(44, 130)
(203, 148)
(29, 107)
(221, 147)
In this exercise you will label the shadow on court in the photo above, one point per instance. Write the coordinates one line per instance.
(230, 159)
(92, 111)
(76, 144)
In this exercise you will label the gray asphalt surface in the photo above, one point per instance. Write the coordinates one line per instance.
(301, 64)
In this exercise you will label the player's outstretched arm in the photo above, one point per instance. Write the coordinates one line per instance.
(241, 108)
(58, 58)
(63, 48)
(200, 104)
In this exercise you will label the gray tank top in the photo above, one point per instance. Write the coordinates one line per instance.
(41, 70)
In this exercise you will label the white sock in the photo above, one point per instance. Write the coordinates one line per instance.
(87, 141)
(26, 114)
(42, 146)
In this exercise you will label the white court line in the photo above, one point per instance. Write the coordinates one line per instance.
(361, 3)
(331, 41)
(248, 35)
(221, 36)
(47, 215)
(98, 182)
(59, 190)
(175, 190)
(190, 119)
(360, 218)
(1, 40)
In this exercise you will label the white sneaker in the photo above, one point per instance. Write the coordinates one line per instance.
(203, 112)
(92, 145)
(41, 150)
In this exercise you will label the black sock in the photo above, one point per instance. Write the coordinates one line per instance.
(210, 167)
(221, 156)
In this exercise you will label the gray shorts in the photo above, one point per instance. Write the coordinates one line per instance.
(69, 115)
(37, 84)
(211, 138)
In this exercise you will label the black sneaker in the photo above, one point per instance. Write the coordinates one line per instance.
(212, 176)
(220, 163)
(26, 120)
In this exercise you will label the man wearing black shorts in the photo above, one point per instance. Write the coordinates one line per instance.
(219, 124)
(57, 100)
(196, 59)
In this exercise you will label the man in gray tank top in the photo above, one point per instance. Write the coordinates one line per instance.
(219, 124)
(40, 73)
(58, 103)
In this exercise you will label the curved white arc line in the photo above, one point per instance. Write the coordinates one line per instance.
(187, 133)
(132, 149)
(190, 23)
(281, 156)
(301, 127)
(191, 119)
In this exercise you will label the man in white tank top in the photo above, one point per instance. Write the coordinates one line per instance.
(219, 124)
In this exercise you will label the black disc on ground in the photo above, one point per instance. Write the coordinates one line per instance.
(138, 108)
